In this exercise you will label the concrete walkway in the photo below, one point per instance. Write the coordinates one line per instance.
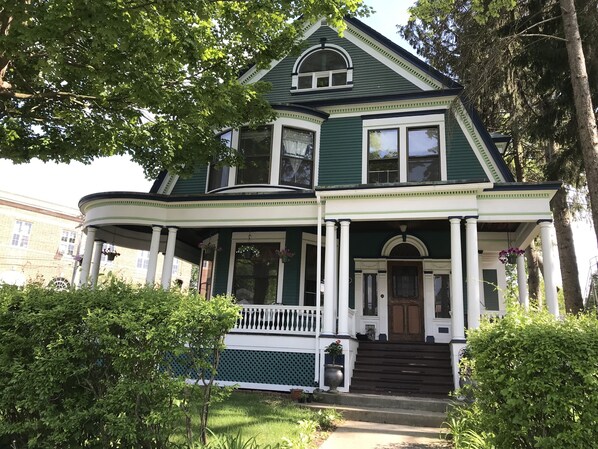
(367, 435)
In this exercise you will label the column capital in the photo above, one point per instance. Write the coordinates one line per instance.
(455, 219)
(157, 226)
(471, 218)
(172, 228)
(344, 220)
(545, 221)
(330, 221)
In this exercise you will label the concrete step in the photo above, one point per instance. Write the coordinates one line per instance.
(413, 418)
(383, 401)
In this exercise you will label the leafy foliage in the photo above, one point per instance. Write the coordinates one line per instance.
(533, 383)
(90, 78)
(88, 368)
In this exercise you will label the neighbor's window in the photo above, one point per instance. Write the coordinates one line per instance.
(383, 156)
(297, 160)
(256, 147)
(442, 296)
(67, 242)
(143, 260)
(423, 146)
(20, 234)
(255, 276)
(218, 176)
(321, 69)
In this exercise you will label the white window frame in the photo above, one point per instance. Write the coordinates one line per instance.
(143, 258)
(315, 75)
(21, 231)
(403, 124)
(257, 237)
(276, 156)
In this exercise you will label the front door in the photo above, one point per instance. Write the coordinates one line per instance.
(405, 301)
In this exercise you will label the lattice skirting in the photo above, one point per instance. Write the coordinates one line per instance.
(260, 367)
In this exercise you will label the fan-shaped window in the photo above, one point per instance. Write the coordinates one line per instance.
(59, 284)
(404, 251)
(322, 69)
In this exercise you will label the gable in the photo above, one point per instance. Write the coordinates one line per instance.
(370, 76)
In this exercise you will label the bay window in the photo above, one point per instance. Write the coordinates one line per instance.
(256, 147)
(218, 175)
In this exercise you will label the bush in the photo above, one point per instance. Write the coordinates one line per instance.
(535, 381)
(87, 369)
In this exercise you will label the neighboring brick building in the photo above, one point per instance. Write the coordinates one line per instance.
(40, 241)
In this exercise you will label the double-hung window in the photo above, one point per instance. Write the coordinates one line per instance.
(297, 158)
(20, 234)
(255, 146)
(67, 242)
(219, 174)
(404, 149)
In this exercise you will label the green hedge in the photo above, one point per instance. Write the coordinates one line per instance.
(535, 381)
(85, 368)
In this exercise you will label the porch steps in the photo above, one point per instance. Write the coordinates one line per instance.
(406, 411)
(407, 369)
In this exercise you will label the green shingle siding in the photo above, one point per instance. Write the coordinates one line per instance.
(462, 162)
(370, 76)
(192, 185)
(340, 151)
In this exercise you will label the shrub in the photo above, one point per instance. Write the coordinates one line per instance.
(534, 381)
(87, 368)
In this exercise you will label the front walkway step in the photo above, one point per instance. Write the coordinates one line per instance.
(407, 411)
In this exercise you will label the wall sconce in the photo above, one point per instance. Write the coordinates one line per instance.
(403, 228)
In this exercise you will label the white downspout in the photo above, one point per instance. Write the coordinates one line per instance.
(319, 290)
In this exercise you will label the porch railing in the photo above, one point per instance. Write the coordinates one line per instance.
(277, 319)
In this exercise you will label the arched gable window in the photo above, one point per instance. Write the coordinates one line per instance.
(323, 67)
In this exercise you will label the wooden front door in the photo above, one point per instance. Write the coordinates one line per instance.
(405, 301)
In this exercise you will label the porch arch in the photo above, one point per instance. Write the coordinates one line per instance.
(410, 240)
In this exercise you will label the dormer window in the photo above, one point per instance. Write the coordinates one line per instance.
(323, 68)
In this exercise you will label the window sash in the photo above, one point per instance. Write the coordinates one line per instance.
(442, 296)
(296, 162)
(257, 155)
(255, 273)
(423, 160)
(333, 78)
(21, 233)
(219, 175)
(383, 155)
(370, 294)
(67, 242)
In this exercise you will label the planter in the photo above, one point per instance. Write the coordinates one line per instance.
(512, 258)
(296, 394)
(333, 377)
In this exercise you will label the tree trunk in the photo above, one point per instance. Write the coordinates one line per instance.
(586, 121)
(567, 257)
(533, 273)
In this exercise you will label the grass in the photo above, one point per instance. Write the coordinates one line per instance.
(266, 416)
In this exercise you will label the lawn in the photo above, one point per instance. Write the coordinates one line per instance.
(266, 416)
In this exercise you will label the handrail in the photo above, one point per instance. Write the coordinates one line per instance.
(277, 319)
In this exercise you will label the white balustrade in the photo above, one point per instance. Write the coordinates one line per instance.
(277, 319)
(352, 322)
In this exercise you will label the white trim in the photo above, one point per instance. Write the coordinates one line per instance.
(258, 237)
(403, 125)
(315, 75)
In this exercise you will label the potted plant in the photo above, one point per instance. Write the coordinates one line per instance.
(509, 255)
(110, 253)
(333, 373)
(284, 254)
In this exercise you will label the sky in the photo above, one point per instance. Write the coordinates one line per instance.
(66, 184)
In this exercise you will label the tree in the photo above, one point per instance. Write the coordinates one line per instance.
(513, 62)
(81, 79)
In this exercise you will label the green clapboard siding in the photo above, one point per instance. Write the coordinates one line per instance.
(193, 185)
(462, 163)
(340, 152)
(292, 269)
(490, 289)
(370, 76)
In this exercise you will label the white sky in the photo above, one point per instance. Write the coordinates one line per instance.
(67, 183)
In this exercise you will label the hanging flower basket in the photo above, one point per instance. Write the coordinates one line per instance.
(248, 252)
(209, 247)
(110, 253)
(284, 254)
(509, 256)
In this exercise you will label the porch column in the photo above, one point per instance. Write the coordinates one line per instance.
(150, 277)
(522, 282)
(87, 254)
(328, 311)
(457, 318)
(97, 259)
(169, 257)
(549, 281)
(473, 273)
(343, 280)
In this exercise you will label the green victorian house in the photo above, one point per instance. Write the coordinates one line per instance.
(373, 211)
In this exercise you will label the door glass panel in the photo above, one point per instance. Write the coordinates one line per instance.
(370, 295)
(405, 282)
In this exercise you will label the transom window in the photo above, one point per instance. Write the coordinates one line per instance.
(404, 149)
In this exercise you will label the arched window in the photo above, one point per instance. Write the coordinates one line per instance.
(322, 68)
(405, 251)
